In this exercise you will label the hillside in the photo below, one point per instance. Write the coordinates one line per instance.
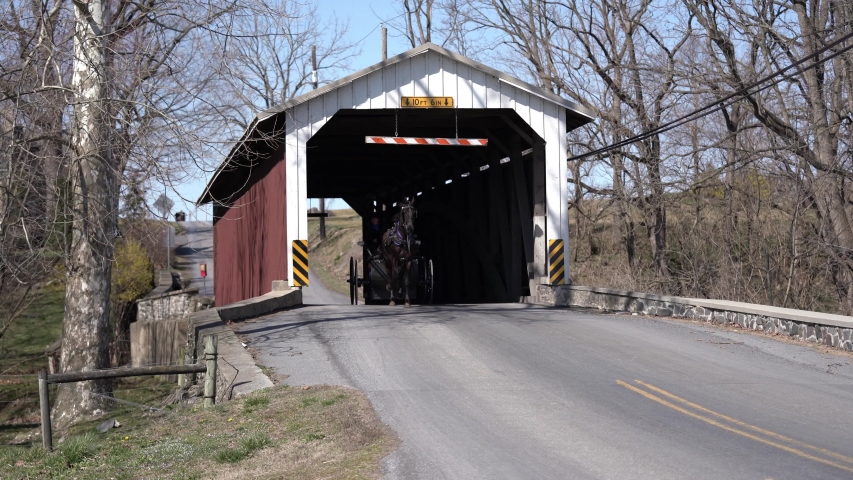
(329, 259)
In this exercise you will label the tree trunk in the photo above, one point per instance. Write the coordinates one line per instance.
(623, 203)
(622, 208)
(94, 203)
(731, 145)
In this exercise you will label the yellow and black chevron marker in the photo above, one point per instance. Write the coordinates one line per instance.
(300, 263)
(556, 261)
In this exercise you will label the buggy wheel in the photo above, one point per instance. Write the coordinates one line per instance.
(353, 286)
(428, 286)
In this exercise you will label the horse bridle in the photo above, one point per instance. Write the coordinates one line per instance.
(406, 219)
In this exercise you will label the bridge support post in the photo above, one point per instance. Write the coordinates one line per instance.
(540, 242)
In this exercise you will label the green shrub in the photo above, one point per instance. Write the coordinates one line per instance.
(230, 455)
(254, 403)
(248, 445)
(76, 449)
(255, 441)
(133, 272)
(132, 278)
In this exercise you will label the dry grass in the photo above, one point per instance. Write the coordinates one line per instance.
(319, 432)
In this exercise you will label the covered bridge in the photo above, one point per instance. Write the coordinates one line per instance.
(493, 217)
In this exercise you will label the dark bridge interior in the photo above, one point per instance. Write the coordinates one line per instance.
(475, 204)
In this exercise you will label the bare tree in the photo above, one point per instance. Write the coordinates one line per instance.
(807, 112)
(265, 59)
(94, 203)
(85, 92)
(95, 93)
(31, 152)
(619, 44)
(759, 189)
(444, 23)
(418, 21)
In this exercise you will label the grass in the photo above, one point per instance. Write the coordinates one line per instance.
(248, 445)
(76, 449)
(273, 433)
(22, 353)
(332, 401)
(254, 403)
(231, 455)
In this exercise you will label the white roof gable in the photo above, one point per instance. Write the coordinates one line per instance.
(428, 70)
(585, 115)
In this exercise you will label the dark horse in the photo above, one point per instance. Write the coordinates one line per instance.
(398, 250)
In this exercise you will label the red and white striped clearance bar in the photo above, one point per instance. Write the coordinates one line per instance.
(465, 142)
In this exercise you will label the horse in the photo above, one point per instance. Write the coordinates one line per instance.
(398, 250)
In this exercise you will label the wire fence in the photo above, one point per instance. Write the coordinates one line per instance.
(27, 393)
(128, 402)
(109, 369)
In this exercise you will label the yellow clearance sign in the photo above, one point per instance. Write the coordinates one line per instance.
(426, 102)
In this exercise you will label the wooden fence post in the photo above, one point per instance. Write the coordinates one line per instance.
(44, 403)
(210, 377)
(182, 377)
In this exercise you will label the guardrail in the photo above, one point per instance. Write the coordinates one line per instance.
(828, 329)
(45, 379)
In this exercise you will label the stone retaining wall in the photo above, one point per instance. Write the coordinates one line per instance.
(166, 282)
(170, 305)
(830, 330)
(159, 334)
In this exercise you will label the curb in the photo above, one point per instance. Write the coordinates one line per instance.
(239, 374)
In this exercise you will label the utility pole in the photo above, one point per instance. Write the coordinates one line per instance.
(384, 43)
(168, 235)
(314, 84)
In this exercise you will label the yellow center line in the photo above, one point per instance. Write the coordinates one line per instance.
(744, 424)
(723, 426)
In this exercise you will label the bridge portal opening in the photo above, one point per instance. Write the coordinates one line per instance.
(475, 204)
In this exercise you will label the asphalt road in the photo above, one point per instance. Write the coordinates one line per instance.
(317, 294)
(515, 391)
(193, 248)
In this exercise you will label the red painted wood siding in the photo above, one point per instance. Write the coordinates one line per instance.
(250, 237)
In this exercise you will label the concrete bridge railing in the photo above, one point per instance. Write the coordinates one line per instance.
(824, 328)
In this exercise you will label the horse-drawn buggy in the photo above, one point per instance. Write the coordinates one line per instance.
(395, 269)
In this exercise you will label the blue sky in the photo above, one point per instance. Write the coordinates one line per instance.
(364, 18)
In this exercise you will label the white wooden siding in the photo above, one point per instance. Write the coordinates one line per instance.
(464, 87)
(360, 98)
(563, 188)
(376, 89)
(303, 134)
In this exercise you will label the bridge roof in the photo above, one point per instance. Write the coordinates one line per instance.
(261, 137)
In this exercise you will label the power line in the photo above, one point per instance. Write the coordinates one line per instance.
(719, 104)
